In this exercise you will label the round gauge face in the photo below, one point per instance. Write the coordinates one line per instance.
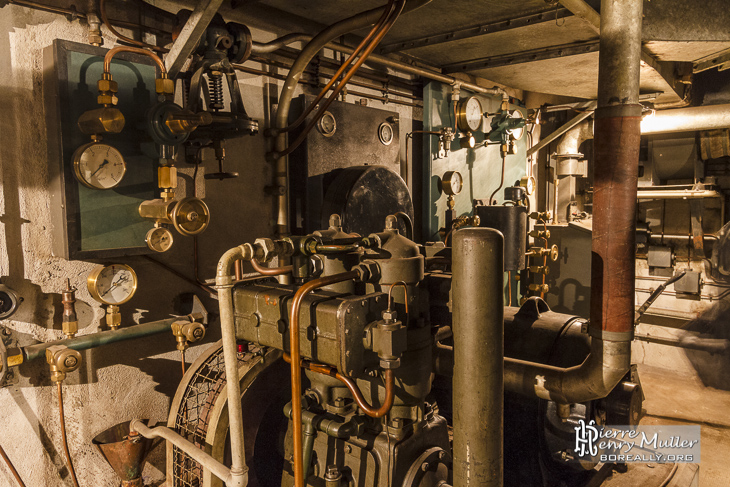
(99, 166)
(113, 284)
(518, 132)
(385, 133)
(528, 182)
(327, 124)
(452, 182)
(470, 114)
(159, 239)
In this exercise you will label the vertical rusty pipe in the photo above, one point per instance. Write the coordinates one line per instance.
(616, 161)
(478, 327)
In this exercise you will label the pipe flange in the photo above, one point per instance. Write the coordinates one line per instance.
(430, 468)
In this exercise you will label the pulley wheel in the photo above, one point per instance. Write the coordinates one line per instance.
(190, 216)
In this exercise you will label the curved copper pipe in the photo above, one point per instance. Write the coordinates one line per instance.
(113, 52)
(296, 371)
(121, 37)
(343, 67)
(270, 271)
(69, 462)
(390, 292)
(389, 380)
(373, 44)
(11, 467)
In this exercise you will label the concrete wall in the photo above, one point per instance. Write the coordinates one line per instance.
(124, 381)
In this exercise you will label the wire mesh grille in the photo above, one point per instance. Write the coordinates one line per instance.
(193, 417)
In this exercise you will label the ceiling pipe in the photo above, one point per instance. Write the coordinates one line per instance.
(687, 119)
(616, 151)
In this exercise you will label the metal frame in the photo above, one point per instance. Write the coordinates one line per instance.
(190, 35)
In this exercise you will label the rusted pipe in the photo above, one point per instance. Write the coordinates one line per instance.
(270, 271)
(296, 371)
(373, 412)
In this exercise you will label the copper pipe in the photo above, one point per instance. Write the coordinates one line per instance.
(374, 43)
(122, 37)
(296, 371)
(11, 467)
(390, 293)
(63, 435)
(389, 379)
(270, 271)
(376, 28)
(238, 270)
(501, 183)
(182, 360)
(112, 52)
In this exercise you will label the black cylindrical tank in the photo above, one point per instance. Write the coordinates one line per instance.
(512, 222)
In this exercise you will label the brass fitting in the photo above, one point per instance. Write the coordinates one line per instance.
(167, 177)
(187, 332)
(113, 317)
(552, 252)
(164, 85)
(267, 246)
(388, 338)
(69, 322)
(104, 120)
(62, 360)
(541, 215)
(536, 269)
(107, 90)
(540, 234)
(543, 288)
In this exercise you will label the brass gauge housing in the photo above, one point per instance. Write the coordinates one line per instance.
(469, 114)
(112, 284)
(159, 239)
(451, 183)
(98, 165)
(528, 182)
(189, 216)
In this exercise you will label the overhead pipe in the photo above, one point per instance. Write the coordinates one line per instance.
(478, 329)
(616, 147)
(710, 117)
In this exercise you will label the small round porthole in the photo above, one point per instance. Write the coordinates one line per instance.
(327, 125)
(386, 133)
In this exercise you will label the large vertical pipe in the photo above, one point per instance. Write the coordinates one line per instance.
(616, 147)
(478, 327)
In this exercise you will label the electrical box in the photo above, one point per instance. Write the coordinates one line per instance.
(97, 223)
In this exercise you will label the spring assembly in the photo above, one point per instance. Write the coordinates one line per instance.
(215, 90)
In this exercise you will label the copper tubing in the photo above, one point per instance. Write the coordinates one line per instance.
(121, 37)
(501, 182)
(389, 379)
(296, 371)
(373, 44)
(270, 271)
(11, 467)
(390, 293)
(63, 435)
(182, 360)
(112, 52)
(376, 28)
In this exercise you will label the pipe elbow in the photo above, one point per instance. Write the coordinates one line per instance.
(596, 377)
(224, 271)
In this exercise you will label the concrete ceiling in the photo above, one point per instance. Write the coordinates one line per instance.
(536, 45)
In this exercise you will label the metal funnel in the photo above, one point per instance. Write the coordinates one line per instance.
(125, 452)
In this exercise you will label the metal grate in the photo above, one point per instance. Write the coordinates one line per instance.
(193, 416)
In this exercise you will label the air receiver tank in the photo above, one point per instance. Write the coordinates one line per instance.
(511, 220)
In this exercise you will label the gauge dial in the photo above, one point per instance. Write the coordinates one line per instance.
(451, 183)
(528, 182)
(386, 133)
(99, 166)
(469, 115)
(159, 239)
(113, 284)
(327, 124)
(517, 133)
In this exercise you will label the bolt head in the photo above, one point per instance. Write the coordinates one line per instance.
(70, 362)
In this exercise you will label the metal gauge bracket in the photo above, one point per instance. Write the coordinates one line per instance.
(8, 343)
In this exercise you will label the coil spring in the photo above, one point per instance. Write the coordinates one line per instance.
(215, 90)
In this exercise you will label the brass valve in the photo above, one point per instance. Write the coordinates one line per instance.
(552, 252)
(540, 234)
(536, 269)
(541, 215)
(69, 322)
(113, 317)
(187, 332)
(543, 288)
(108, 89)
(62, 360)
(167, 181)
(189, 216)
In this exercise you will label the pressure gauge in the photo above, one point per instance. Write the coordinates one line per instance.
(327, 125)
(518, 132)
(528, 182)
(469, 114)
(112, 284)
(159, 239)
(99, 166)
(385, 133)
(451, 183)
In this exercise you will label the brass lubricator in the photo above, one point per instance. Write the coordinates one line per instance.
(70, 321)
(187, 332)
